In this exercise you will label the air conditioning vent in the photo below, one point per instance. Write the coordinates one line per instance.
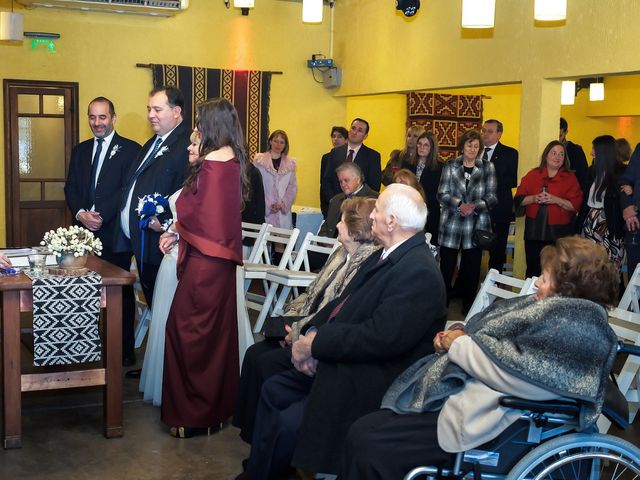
(163, 8)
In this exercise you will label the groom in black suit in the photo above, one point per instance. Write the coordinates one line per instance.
(160, 167)
(353, 151)
(97, 171)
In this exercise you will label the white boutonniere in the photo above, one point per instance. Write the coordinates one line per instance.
(162, 151)
(115, 149)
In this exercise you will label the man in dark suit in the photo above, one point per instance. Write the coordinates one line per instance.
(160, 167)
(354, 347)
(352, 185)
(338, 138)
(97, 172)
(579, 166)
(354, 151)
(505, 161)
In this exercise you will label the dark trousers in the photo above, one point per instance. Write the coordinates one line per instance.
(148, 274)
(385, 445)
(632, 246)
(468, 275)
(123, 260)
(498, 255)
(261, 361)
(532, 249)
(278, 419)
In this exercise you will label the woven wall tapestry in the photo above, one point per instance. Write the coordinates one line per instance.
(447, 116)
(248, 91)
(66, 312)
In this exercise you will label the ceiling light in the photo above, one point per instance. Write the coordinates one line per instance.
(312, 11)
(244, 5)
(596, 91)
(550, 10)
(478, 13)
(568, 92)
(11, 26)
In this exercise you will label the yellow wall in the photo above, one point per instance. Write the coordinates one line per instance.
(100, 51)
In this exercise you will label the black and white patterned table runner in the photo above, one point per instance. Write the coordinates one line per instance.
(66, 313)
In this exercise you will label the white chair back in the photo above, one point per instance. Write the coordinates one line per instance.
(257, 232)
(317, 244)
(490, 291)
(629, 300)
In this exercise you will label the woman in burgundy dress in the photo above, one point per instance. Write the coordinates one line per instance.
(201, 348)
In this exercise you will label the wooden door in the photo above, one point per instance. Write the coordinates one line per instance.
(41, 128)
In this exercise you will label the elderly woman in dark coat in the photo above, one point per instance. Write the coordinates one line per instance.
(556, 343)
(467, 192)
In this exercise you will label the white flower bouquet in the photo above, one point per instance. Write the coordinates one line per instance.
(74, 240)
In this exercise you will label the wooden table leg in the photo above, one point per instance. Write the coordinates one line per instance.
(112, 351)
(11, 388)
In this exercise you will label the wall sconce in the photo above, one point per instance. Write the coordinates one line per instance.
(312, 11)
(11, 26)
(478, 13)
(550, 10)
(243, 5)
(568, 92)
(596, 91)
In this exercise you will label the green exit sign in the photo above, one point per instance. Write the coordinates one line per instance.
(48, 43)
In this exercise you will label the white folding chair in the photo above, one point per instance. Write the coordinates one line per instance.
(258, 270)
(299, 275)
(629, 300)
(257, 232)
(245, 335)
(626, 324)
(490, 291)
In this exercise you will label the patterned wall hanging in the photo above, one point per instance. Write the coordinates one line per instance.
(447, 116)
(66, 313)
(248, 91)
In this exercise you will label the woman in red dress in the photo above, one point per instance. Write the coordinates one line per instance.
(201, 348)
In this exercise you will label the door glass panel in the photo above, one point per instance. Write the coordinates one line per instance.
(41, 147)
(28, 103)
(29, 191)
(53, 104)
(54, 191)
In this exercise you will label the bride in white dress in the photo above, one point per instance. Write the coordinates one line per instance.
(166, 283)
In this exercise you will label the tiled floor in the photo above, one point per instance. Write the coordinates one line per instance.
(62, 440)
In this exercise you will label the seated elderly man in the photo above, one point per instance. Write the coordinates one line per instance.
(353, 348)
(352, 185)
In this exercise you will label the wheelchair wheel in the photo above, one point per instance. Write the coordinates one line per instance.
(580, 456)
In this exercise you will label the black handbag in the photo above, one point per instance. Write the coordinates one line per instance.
(483, 239)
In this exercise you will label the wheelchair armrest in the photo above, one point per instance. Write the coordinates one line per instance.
(564, 407)
(615, 407)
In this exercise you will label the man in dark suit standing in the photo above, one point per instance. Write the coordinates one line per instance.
(578, 164)
(338, 138)
(505, 161)
(160, 167)
(97, 172)
(354, 151)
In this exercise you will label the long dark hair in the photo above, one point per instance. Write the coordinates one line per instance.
(433, 162)
(218, 124)
(606, 168)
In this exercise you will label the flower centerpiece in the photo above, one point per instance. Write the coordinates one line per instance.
(148, 209)
(71, 245)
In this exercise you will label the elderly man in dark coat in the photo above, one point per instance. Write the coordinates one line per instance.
(354, 347)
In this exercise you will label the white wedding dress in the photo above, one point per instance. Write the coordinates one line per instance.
(166, 283)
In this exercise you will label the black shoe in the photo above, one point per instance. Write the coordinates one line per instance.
(133, 373)
(129, 360)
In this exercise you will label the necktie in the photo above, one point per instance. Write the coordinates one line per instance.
(485, 155)
(94, 171)
(140, 169)
(349, 156)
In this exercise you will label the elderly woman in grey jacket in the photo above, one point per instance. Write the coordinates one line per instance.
(466, 193)
(556, 343)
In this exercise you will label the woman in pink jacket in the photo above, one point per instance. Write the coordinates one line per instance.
(279, 178)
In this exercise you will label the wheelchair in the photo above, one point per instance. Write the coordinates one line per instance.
(544, 445)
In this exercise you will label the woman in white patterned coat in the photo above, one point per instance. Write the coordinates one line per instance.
(466, 193)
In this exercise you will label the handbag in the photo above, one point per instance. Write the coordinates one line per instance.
(484, 239)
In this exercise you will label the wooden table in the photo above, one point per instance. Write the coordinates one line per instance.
(17, 297)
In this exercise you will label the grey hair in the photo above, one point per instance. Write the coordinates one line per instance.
(355, 169)
(406, 204)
